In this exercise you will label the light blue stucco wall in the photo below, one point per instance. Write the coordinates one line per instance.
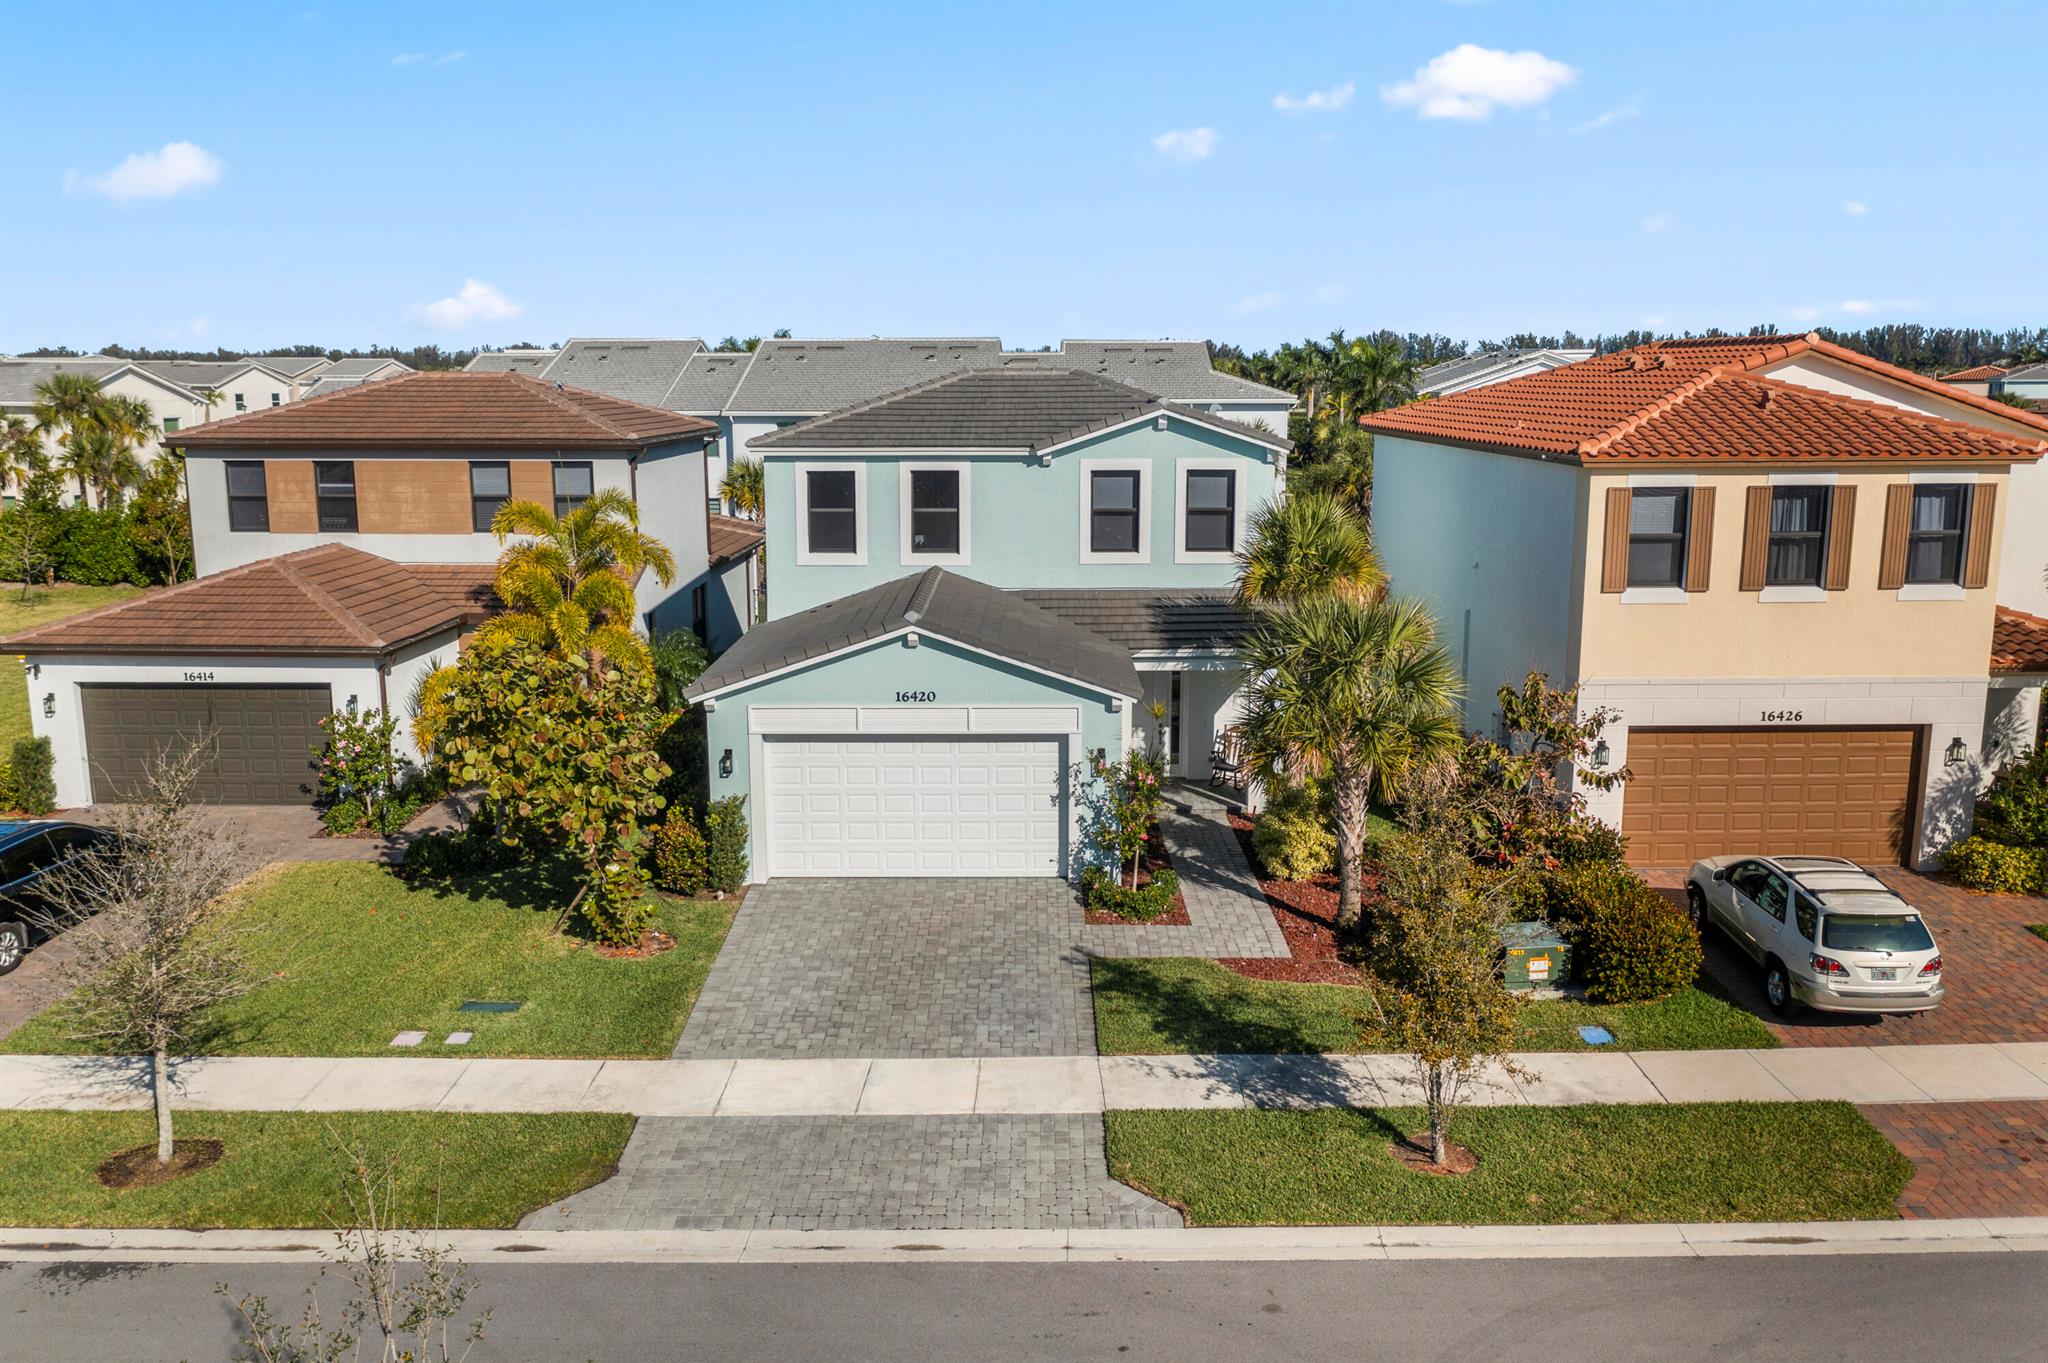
(1024, 520)
(2024, 388)
(872, 677)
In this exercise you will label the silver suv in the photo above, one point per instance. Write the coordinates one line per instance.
(1827, 932)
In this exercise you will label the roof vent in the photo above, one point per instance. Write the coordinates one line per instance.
(1628, 362)
(1764, 403)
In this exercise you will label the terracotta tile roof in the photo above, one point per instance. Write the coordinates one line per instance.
(2019, 642)
(327, 600)
(1976, 373)
(452, 410)
(732, 537)
(1699, 400)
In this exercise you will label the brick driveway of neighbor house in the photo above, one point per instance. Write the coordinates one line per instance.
(1997, 971)
(1970, 1159)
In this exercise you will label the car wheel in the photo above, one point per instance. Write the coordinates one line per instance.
(1778, 988)
(1696, 905)
(13, 942)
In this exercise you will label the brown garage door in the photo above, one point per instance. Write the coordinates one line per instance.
(267, 735)
(1835, 792)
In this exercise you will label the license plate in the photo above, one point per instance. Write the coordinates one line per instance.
(1885, 973)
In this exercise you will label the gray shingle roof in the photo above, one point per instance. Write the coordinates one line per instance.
(196, 374)
(361, 366)
(534, 362)
(2033, 373)
(292, 366)
(707, 381)
(791, 377)
(1180, 371)
(637, 371)
(1150, 621)
(1475, 367)
(18, 378)
(970, 613)
(1009, 408)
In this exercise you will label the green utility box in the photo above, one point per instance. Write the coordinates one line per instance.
(1537, 957)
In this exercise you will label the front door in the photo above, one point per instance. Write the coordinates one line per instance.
(1156, 728)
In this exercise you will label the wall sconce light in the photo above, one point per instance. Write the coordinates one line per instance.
(49, 705)
(725, 764)
(351, 705)
(1601, 753)
(1957, 754)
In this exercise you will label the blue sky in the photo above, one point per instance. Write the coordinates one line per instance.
(256, 175)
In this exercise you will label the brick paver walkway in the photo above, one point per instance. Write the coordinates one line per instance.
(1972, 1159)
(1227, 912)
(833, 1173)
(1997, 972)
(920, 968)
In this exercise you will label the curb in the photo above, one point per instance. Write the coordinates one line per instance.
(2000, 1235)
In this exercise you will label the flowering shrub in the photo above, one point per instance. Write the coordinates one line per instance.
(358, 768)
(1120, 811)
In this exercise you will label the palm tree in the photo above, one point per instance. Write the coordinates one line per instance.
(21, 454)
(569, 584)
(1361, 694)
(209, 398)
(1383, 376)
(745, 488)
(1305, 546)
(66, 403)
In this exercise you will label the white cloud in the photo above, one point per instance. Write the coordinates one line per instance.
(1470, 82)
(173, 169)
(1185, 146)
(449, 58)
(408, 58)
(1855, 307)
(1264, 301)
(1620, 113)
(1659, 222)
(195, 327)
(1332, 292)
(1317, 101)
(477, 302)
(1858, 307)
(1855, 208)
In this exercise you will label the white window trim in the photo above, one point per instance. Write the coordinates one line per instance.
(1797, 593)
(1934, 591)
(1181, 469)
(912, 559)
(859, 557)
(1655, 596)
(1141, 467)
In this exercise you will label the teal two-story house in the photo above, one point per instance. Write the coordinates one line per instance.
(976, 585)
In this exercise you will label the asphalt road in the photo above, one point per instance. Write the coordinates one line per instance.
(1980, 1307)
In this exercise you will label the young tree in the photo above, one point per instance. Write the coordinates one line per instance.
(1359, 693)
(154, 953)
(160, 522)
(1437, 953)
(568, 581)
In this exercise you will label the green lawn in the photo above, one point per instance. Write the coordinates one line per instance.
(285, 1169)
(16, 616)
(2040, 930)
(348, 956)
(1180, 1005)
(1680, 1162)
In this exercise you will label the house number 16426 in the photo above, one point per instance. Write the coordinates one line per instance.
(1783, 716)
(916, 697)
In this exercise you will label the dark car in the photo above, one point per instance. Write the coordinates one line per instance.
(29, 851)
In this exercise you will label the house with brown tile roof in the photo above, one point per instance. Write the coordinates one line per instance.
(1977, 379)
(1779, 562)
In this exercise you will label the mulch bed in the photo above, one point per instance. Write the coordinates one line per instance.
(138, 1168)
(1175, 917)
(1306, 911)
(652, 942)
(1413, 1152)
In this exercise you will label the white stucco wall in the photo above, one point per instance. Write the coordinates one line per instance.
(1270, 415)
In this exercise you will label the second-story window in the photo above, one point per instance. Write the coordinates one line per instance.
(334, 488)
(831, 522)
(490, 487)
(1211, 511)
(171, 423)
(1934, 539)
(934, 511)
(248, 498)
(1113, 511)
(573, 485)
(241, 403)
(1797, 550)
(1657, 518)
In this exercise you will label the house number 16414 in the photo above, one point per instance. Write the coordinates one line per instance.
(916, 697)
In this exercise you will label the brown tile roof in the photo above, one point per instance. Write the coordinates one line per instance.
(2019, 642)
(1976, 373)
(327, 600)
(731, 537)
(1699, 400)
(452, 410)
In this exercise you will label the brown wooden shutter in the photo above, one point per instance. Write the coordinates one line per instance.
(1756, 537)
(1614, 544)
(1699, 540)
(1898, 520)
(1841, 534)
(1983, 519)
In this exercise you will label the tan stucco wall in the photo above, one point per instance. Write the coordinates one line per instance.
(1726, 632)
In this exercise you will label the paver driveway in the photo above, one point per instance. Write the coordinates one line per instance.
(920, 968)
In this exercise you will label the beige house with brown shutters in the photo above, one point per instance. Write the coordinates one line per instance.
(1787, 593)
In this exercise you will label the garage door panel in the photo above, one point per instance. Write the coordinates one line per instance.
(1698, 792)
(266, 737)
(927, 806)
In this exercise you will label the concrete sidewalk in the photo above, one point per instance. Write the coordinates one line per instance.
(1018, 1085)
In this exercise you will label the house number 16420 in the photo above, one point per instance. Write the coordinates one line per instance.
(916, 697)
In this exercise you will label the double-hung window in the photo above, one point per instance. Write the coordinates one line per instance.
(934, 511)
(1658, 518)
(1797, 553)
(1113, 511)
(1211, 511)
(831, 512)
(334, 490)
(248, 497)
(241, 402)
(1934, 536)
(490, 487)
(573, 485)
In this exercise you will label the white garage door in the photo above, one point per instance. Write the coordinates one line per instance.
(913, 807)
